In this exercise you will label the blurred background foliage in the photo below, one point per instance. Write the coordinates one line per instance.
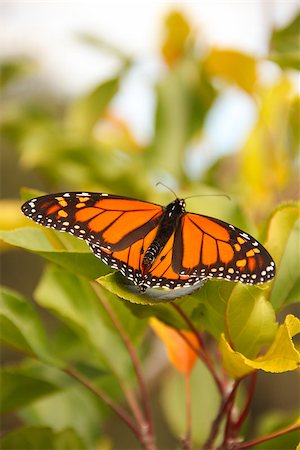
(53, 144)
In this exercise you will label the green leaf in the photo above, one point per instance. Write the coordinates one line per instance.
(60, 248)
(274, 421)
(205, 402)
(21, 388)
(285, 45)
(12, 69)
(74, 301)
(123, 288)
(251, 321)
(86, 111)
(42, 438)
(98, 43)
(74, 408)
(21, 327)
(283, 243)
(184, 96)
(210, 313)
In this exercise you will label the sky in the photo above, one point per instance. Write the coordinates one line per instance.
(46, 29)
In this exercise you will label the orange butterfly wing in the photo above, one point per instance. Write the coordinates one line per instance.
(207, 247)
(109, 221)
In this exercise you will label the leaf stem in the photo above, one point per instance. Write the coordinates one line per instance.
(147, 428)
(267, 437)
(202, 352)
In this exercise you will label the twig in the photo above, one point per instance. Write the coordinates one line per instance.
(202, 352)
(244, 413)
(232, 427)
(229, 432)
(105, 398)
(190, 324)
(267, 437)
(147, 428)
(222, 411)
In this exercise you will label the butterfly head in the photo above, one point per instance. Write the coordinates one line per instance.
(176, 208)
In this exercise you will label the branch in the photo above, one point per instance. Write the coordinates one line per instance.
(105, 398)
(244, 413)
(267, 437)
(224, 407)
(148, 427)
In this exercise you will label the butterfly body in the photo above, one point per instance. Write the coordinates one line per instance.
(167, 226)
(152, 245)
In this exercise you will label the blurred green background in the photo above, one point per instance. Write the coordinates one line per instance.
(215, 119)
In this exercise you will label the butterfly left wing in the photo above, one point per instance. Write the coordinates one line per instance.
(109, 221)
(206, 247)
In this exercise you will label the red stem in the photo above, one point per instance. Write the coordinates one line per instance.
(267, 437)
(225, 404)
(244, 413)
(105, 398)
(232, 427)
(229, 431)
(147, 428)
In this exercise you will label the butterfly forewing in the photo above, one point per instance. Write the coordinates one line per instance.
(110, 221)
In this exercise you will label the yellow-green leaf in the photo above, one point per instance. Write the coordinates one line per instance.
(266, 166)
(283, 244)
(284, 45)
(282, 356)
(251, 321)
(11, 218)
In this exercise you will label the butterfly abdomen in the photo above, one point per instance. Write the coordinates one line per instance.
(166, 228)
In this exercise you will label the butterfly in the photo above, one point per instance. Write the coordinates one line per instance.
(154, 245)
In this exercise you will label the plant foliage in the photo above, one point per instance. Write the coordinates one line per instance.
(89, 363)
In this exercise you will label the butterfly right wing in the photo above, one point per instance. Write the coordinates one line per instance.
(210, 248)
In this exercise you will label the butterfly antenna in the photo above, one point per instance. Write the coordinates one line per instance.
(167, 187)
(209, 195)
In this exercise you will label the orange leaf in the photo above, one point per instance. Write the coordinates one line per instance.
(181, 355)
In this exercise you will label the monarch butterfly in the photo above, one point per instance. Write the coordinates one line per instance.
(152, 245)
